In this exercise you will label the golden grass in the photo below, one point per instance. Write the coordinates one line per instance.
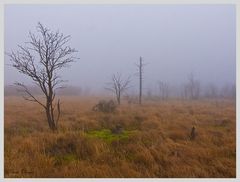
(158, 146)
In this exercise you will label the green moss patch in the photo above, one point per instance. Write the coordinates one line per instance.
(62, 159)
(108, 136)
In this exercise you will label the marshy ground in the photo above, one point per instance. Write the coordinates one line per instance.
(155, 141)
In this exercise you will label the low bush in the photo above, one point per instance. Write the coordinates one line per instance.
(105, 106)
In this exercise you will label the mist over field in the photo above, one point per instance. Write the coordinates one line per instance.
(152, 95)
(174, 41)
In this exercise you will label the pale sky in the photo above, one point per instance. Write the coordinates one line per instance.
(174, 40)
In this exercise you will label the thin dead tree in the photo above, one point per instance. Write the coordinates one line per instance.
(192, 88)
(211, 91)
(41, 59)
(118, 85)
(228, 90)
(163, 90)
(140, 73)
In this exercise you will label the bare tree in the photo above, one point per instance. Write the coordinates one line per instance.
(211, 91)
(192, 88)
(118, 86)
(41, 59)
(228, 91)
(233, 91)
(140, 72)
(163, 90)
(149, 93)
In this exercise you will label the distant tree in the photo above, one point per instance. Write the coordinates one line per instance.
(228, 91)
(233, 91)
(140, 72)
(192, 88)
(163, 89)
(211, 91)
(118, 86)
(41, 59)
(149, 93)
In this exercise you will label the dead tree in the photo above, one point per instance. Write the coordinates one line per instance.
(211, 91)
(118, 86)
(228, 91)
(233, 91)
(192, 88)
(163, 90)
(41, 59)
(140, 73)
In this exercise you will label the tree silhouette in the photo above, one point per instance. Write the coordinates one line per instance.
(41, 59)
(118, 86)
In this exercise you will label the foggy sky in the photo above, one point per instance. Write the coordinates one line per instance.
(174, 41)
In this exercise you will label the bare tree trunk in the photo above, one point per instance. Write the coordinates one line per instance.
(140, 81)
(49, 119)
(119, 98)
(50, 115)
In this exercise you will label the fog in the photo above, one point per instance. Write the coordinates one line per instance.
(174, 41)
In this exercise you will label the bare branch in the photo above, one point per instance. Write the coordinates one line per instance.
(29, 96)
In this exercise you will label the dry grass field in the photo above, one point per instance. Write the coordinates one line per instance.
(155, 141)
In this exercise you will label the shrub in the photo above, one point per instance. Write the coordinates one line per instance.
(118, 129)
(105, 106)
